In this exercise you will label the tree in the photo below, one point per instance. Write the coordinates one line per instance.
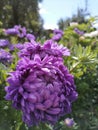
(78, 17)
(63, 24)
(24, 12)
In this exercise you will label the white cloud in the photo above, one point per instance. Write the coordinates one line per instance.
(50, 26)
(45, 13)
(40, 5)
(42, 10)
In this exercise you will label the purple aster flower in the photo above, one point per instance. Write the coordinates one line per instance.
(30, 37)
(19, 46)
(48, 48)
(78, 31)
(69, 122)
(57, 35)
(5, 57)
(21, 31)
(11, 47)
(43, 89)
(16, 30)
(30, 49)
(11, 31)
(53, 48)
(57, 31)
(4, 43)
(41, 86)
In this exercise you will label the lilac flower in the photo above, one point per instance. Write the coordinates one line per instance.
(43, 89)
(69, 122)
(4, 43)
(78, 31)
(5, 57)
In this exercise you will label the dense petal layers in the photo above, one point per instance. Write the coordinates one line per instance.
(48, 48)
(42, 88)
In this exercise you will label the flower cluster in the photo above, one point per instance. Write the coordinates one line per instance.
(41, 86)
(78, 31)
(20, 32)
(16, 30)
(19, 46)
(30, 37)
(3, 43)
(5, 57)
(57, 35)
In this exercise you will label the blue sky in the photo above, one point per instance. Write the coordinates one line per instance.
(52, 10)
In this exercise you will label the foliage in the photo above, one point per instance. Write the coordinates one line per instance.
(23, 12)
(83, 63)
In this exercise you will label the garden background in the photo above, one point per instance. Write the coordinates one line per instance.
(80, 36)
